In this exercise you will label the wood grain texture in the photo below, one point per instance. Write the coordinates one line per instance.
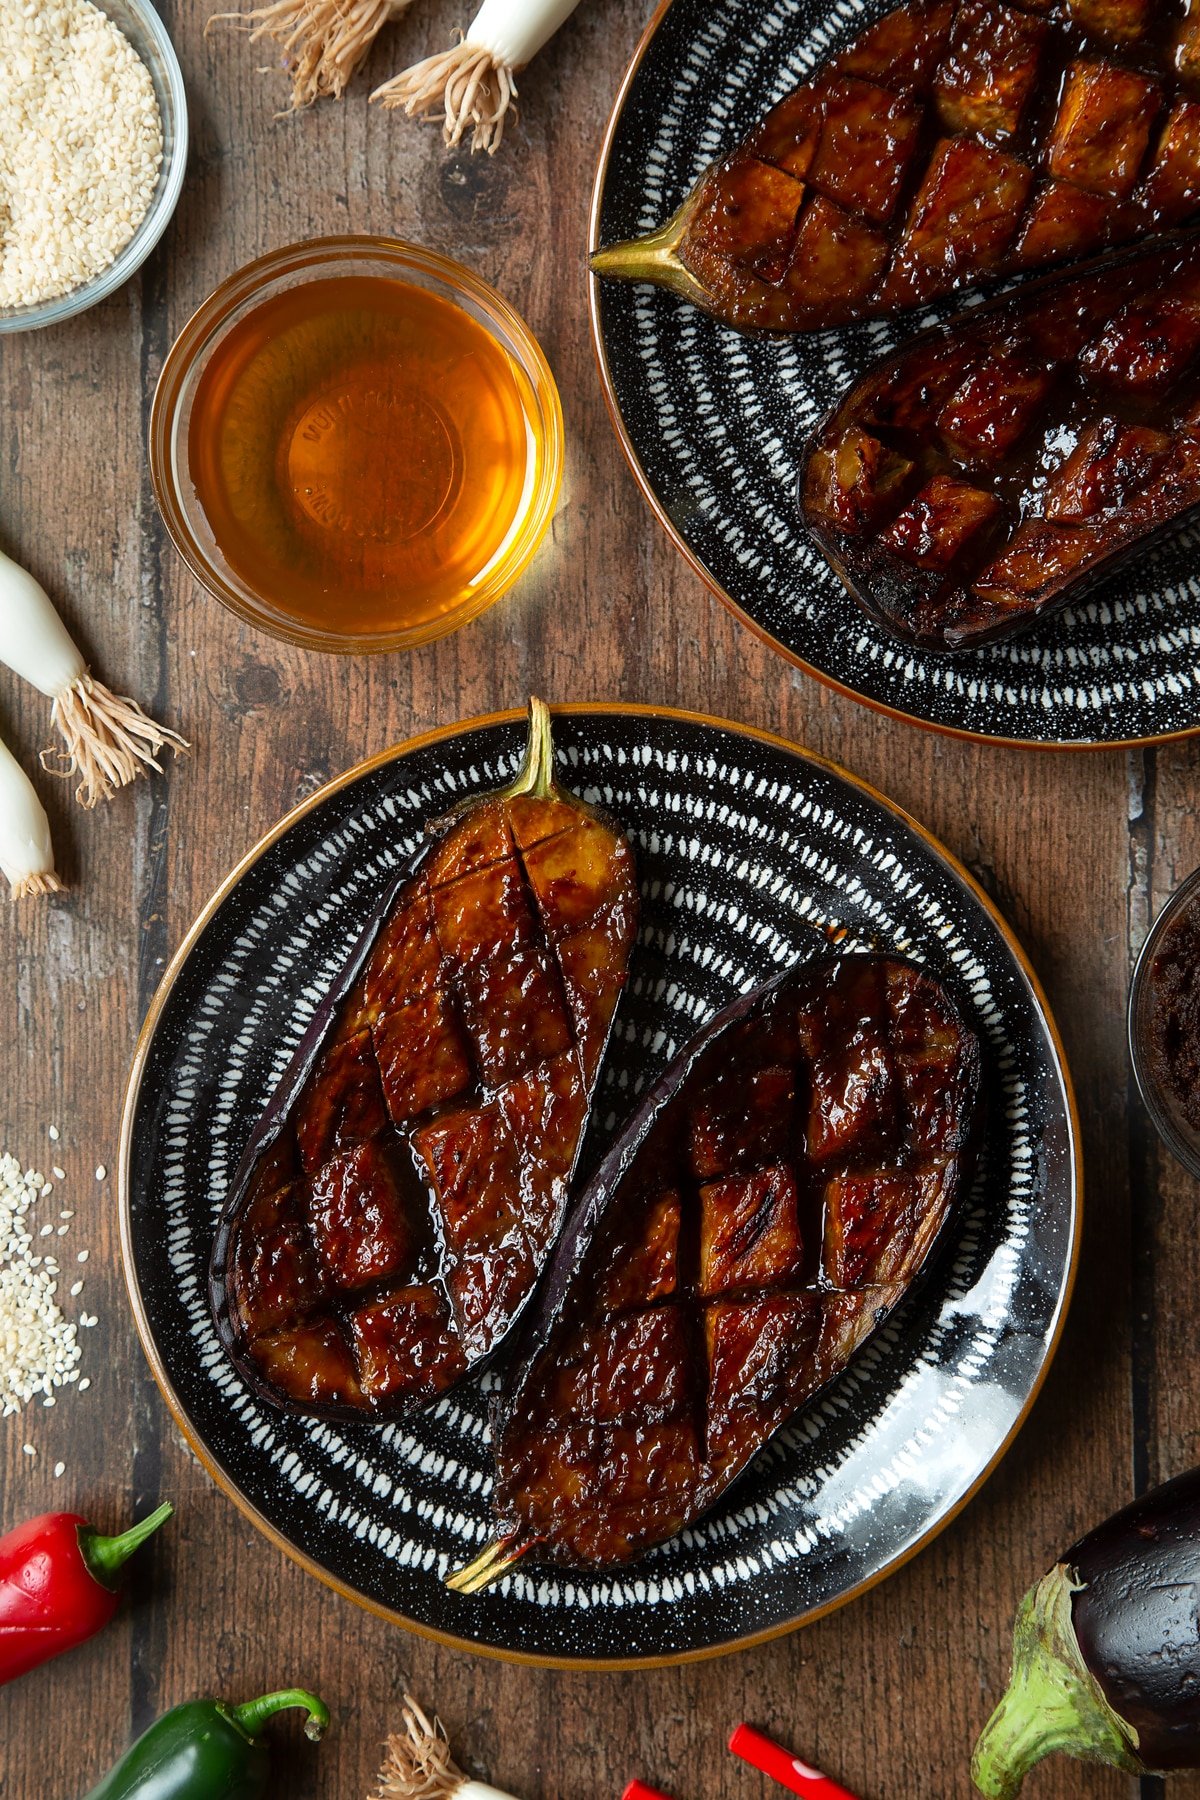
(1078, 850)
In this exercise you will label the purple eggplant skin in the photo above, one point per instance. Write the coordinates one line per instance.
(1106, 1661)
(1137, 1618)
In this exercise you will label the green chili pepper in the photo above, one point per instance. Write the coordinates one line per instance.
(205, 1750)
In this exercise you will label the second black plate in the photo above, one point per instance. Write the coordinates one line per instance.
(714, 422)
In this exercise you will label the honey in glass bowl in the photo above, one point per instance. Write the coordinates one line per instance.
(354, 458)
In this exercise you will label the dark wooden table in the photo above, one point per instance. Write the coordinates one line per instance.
(1079, 850)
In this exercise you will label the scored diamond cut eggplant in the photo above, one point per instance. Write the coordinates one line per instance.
(951, 143)
(398, 1200)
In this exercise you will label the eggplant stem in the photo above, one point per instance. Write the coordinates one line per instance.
(487, 1567)
(535, 777)
(1053, 1701)
(655, 258)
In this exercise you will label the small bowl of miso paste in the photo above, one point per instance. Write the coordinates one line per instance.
(356, 444)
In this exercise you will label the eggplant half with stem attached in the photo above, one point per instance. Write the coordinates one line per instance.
(768, 1207)
(1106, 1651)
(401, 1193)
(953, 141)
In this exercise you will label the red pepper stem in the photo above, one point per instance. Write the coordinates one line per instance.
(105, 1556)
(253, 1715)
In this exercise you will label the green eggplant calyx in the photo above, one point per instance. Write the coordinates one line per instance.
(253, 1715)
(535, 777)
(1053, 1702)
(106, 1556)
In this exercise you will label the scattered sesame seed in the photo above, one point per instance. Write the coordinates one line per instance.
(39, 1348)
(47, 1188)
(59, 1469)
(63, 1230)
(45, 1231)
(101, 1172)
(85, 1383)
(29, 1449)
(53, 1134)
(76, 1288)
(82, 1257)
(59, 1174)
(65, 1214)
(88, 1319)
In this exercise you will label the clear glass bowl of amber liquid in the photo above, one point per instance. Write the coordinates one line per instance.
(356, 444)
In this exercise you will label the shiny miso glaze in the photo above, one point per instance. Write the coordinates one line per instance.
(394, 1224)
(362, 450)
(976, 477)
(791, 1186)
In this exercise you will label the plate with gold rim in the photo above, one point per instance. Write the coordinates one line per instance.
(751, 854)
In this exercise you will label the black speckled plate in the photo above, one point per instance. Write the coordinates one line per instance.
(713, 423)
(750, 854)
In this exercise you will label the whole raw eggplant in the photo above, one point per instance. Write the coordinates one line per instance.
(951, 142)
(398, 1199)
(771, 1202)
(1106, 1650)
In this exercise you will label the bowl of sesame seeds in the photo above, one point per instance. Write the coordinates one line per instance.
(93, 146)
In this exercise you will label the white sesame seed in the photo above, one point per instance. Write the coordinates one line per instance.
(101, 1172)
(39, 1348)
(81, 145)
(66, 1215)
(29, 1449)
(85, 1383)
(76, 1288)
(82, 1257)
(59, 1174)
(45, 1231)
(47, 1188)
(59, 1469)
(52, 1134)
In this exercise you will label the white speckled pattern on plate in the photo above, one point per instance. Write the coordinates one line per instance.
(750, 853)
(715, 422)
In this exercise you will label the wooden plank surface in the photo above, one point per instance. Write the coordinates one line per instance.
(1078, 850)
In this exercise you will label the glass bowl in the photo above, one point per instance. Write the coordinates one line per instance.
(148, 35)
(248, 289)
(1181, 1139)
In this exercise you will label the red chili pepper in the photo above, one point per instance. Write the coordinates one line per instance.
(772, 1759)
(59, 1585)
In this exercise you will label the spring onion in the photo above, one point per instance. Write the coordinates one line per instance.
(26, 854)
(418, 1764)
(474, 81)
(108, 738)
(323, 41)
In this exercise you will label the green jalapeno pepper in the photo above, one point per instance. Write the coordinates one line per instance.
(206, 1750)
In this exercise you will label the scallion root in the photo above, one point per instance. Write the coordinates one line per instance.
(467, 83)
(417, 1763)
(323, 41)
(29, 885)
(108, 740)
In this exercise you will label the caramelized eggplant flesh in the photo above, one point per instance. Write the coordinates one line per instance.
(997, 467)
(953, 142)
(400, 1197)
(778, 1194)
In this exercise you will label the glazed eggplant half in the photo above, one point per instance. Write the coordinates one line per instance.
(952, 142)
(399, 1198)
(1001, 465)
(776, 1196)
